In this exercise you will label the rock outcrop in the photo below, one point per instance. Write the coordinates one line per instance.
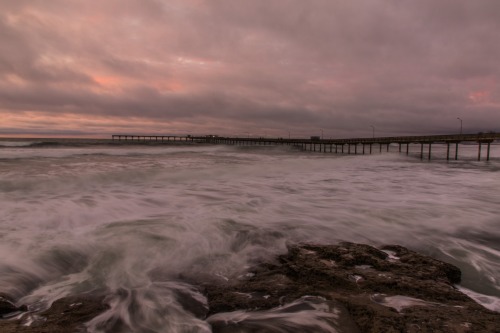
(7, 306)
(66, 315)
(388, 290)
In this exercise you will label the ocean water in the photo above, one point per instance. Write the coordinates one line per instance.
(136, 221)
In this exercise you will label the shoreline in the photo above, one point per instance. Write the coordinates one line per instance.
(348, 286)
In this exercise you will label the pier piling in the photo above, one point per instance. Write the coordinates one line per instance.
(311, 144)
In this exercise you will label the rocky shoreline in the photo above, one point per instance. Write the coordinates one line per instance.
(66, 315)
(313, 288)
(388, 290)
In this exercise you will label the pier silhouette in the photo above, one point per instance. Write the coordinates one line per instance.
(349, 145)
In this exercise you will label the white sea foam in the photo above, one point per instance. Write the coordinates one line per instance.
(307, 314)
(490, 302)
(391, 255)
(400, 302)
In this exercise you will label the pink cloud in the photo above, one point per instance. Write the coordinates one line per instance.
(227, 66)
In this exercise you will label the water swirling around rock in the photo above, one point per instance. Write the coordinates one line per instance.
(134, 223)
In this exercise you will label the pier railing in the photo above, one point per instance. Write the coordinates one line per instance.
(332, 145)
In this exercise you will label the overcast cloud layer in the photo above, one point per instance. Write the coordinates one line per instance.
(250, 67)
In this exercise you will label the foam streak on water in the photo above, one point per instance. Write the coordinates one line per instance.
(308, 315)
(140, 221)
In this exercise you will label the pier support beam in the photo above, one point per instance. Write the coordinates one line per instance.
(311, 144)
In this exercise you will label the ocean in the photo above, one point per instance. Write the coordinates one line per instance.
(81, 216)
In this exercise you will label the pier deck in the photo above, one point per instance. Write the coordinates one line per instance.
(334, 145)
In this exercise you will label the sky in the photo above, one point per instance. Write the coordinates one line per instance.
(80, 68)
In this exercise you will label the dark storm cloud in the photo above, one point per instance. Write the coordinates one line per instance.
(403, 66)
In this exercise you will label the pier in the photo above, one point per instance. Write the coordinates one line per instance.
(349, 146)
(151, 138)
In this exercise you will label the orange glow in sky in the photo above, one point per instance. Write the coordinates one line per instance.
(479, 96)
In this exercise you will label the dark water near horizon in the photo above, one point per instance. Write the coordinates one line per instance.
(87, 215)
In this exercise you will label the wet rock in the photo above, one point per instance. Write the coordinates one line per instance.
(391, 289)
(7, 306)
(65, 315)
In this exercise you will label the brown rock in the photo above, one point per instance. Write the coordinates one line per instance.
(7, 306)
(394, 291)
(65, 315)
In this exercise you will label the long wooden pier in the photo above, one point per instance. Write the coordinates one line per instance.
(349, 146)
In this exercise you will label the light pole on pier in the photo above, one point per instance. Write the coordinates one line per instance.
(373, 130)
(321, 133)
(460, 125)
